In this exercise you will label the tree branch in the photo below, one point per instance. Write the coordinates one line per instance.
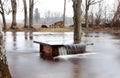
(1, 12)
(93, 2)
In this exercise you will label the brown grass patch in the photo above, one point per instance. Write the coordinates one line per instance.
(37, 28)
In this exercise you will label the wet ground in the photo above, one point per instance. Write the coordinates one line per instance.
(102, 59)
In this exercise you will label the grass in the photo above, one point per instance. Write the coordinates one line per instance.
(42, 29)
(37, 28)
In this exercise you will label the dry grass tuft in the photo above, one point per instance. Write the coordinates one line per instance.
(37, 28)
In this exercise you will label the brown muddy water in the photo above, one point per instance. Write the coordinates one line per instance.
(102, 59)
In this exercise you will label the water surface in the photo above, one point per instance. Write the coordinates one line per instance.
(102, 59)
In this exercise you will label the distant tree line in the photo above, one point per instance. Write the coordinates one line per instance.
(52, 17)
(103, 13)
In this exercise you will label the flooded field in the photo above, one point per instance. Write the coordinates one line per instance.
(101, 60)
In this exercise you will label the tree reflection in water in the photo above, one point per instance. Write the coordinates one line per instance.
(31, 35)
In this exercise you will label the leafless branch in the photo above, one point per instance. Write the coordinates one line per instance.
(93, 2)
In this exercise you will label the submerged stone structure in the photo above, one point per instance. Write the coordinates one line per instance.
(4, 70)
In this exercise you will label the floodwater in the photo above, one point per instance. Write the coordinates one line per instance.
(101, 60)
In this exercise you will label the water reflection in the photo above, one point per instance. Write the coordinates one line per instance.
(87, 34)
(26, 35)
(4, 33)
(47, 56)
(14, 40)
(31, 35)
(76, 68)
(25, 61)
(14, 36)
(116, 36)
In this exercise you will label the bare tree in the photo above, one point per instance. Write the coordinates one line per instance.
(57, 16)
(4, 70)
(77, 20)
(3, 14)
(105, 15)
(47, 16)
(31, 6)
(116, 20)
(64, 12)
(51, 17)
(25, 14)
(88, 3)
(98, 15)
(37, 16)
(91, 19)
(14, 12)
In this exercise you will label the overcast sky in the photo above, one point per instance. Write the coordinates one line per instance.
(58, 5)
(53, 6)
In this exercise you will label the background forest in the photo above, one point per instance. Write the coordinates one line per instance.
(94, 12)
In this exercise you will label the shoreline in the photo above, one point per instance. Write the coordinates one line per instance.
(67, 29)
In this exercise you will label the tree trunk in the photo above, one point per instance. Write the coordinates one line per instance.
(64, 13)
(31, 6)
(3, 15)
(4, 70)
(14, 11)
(92, 23)
(25, 14)
(86, 14)
(86, 18)
(77, 20)
(88, 4)
(4, 22)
